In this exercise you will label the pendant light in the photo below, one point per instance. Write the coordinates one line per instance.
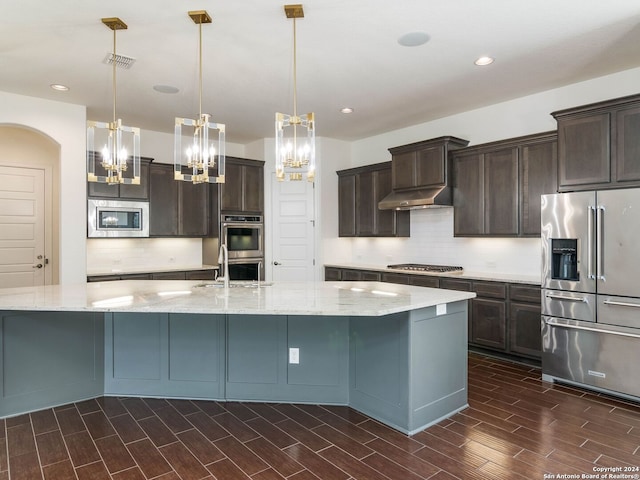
(200, 150)
(120, 144)
(295, 134)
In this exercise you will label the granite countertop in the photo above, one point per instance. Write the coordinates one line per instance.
(132, 270)
(185, 296)
(467, 275)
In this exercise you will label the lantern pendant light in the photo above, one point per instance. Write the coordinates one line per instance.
(121, 144)
(295, 134)
(197, 151)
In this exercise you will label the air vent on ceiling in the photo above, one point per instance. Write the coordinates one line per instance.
(122, 61)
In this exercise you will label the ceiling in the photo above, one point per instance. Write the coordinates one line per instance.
(348, 55)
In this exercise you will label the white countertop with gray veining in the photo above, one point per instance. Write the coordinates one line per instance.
(184, 296)
(467, 275)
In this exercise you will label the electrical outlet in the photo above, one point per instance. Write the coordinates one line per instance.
(294, 355)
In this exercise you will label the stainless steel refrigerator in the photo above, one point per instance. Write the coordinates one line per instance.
(591, 289)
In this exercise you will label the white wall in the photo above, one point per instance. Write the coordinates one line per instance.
(159, 146)
(106, 255)
(432, 238)
(66, 125)
(521, 116)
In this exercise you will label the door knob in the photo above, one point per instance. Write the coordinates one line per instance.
(37, 266)
(276, 263)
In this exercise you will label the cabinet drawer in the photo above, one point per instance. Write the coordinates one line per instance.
(351, 275)
(103, 278)
(200, 274)
(455, 284)
(424, 281)
(524, 293)
(332, 274)
(371, 276)
(168, 276)
(395, 278)
(490, 289)
(136, 276)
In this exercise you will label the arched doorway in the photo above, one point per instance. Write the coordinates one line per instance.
(29, 207)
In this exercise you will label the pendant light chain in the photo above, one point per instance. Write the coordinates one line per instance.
(200, 67)
(295, 70)
(114, 75)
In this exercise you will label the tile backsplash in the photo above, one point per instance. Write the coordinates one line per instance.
(123, 253)
(432, 242)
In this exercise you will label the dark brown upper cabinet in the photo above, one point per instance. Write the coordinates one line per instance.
(599, 145)
(423, 164)
(497, 186)
(176, 208)
(122, 191)
(243, 190)
(359, 191)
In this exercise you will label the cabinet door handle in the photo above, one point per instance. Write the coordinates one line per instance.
(38, 266)
(276, 263)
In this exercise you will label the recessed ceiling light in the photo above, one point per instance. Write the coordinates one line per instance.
(482, 61)
(413, 39)
(165, 89)
(59, 87)
(346, 110)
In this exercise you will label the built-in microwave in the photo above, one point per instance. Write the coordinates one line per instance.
(117, 218)
(242, 234)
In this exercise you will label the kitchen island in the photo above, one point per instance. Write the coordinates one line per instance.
(394, 352)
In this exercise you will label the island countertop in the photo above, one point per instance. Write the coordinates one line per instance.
(182, 296)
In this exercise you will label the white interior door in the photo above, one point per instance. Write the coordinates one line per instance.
(293, 231)
(22, 232)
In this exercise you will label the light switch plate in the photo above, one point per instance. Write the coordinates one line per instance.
(294, 355)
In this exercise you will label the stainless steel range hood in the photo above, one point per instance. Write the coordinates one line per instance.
(433, 197)
(421, 174)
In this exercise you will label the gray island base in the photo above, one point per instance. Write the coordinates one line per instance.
(393, 352)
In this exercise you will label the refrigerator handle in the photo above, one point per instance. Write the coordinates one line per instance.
(591, 235)
(600, 242)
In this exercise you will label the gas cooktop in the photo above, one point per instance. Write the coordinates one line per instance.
(418, 267)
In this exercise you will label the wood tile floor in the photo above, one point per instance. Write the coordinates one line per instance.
(517, 427)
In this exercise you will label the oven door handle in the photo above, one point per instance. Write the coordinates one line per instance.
(621, 331)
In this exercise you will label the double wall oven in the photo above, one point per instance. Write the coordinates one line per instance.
(243, 236)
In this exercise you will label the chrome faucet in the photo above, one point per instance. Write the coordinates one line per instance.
(223, 258)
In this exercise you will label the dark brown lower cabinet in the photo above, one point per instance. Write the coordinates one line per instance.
(208, 274)
(395, 278)
(200, 275)
(168, 276)
(524, 320)
(351, 275)
(524, 329)
(488, 323)
(424, 281)
(332, 274)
